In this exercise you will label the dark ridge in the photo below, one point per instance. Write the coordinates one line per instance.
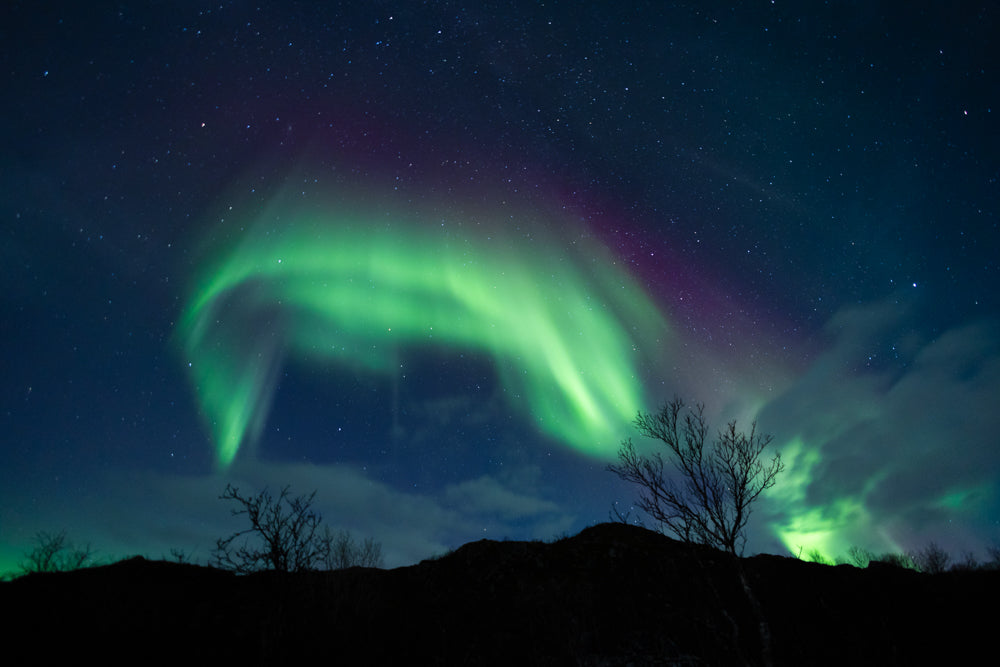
(611, 595)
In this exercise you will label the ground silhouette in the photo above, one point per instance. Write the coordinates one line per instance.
(613, 595)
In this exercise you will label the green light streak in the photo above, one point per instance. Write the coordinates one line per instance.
(846, 521)
(811, 529)
(568, 332)
(963, 499)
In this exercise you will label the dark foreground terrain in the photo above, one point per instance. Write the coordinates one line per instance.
(612, 595)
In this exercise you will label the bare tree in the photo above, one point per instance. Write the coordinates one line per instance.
(711, 501)
(900, 560)
(967, 563)
(932, 559)
(817, 556)
(180, 556)
(55, 553)
(994, 562)
(282, 535)
(343, 552)
(859, 556)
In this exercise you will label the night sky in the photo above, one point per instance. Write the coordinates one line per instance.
(429, 260)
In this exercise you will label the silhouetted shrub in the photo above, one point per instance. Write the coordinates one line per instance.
(816, 556)
(54, 553)
(712, 503)
(932, 559)
(968, 563)
(994, 562)
(284, 536)
(343, 552)
(897, 560)
(859, 556)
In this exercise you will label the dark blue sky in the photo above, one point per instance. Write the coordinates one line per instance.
(808, 195)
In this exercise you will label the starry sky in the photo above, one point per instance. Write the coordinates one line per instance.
(429, 260)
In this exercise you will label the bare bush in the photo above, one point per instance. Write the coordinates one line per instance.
(712, 501)
(967, 563)
(898, 560)
(180, 556)
(932, 559)
(55, 553)
(342, 551)
(817, 556)
(994, 562)
(859, 556)
(285, 536)
(282, 534)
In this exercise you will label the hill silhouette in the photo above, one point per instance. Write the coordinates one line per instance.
(612, 595)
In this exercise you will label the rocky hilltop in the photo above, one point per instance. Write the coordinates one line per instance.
(612, 595)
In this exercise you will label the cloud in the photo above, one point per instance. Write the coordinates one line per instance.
(157, 512)
(486, 495)
(889, 435)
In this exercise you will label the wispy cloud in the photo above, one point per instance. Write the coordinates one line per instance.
(888, 443)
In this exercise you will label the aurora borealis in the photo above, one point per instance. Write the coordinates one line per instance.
(556, 324)
(430, 259)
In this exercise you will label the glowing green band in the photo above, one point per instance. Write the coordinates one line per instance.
(567, 332)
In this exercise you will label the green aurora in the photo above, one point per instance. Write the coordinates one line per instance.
(807, 529)
(569, 331)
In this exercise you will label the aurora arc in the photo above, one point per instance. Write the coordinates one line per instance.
(568, 332)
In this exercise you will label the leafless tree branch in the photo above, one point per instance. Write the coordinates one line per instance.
(285, 536)
(55, 553)
(709, 497)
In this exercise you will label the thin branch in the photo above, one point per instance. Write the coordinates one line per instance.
(719, 484)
